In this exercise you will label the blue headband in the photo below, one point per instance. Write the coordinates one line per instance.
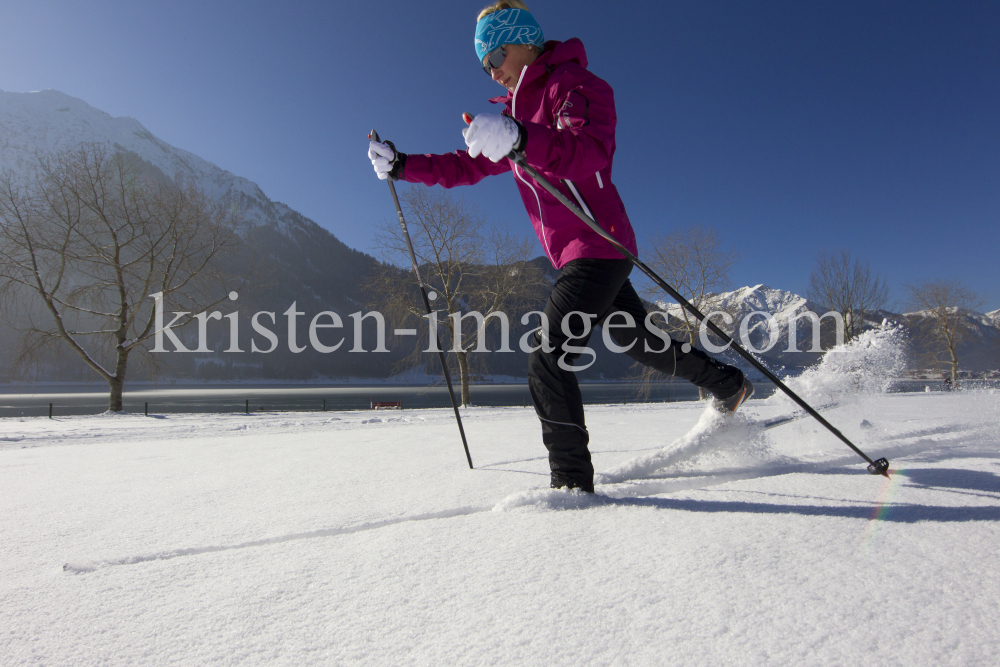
(507, 26)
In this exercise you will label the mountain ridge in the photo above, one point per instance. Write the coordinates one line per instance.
(309, 265)
(980, 351)
(49, 121)
(303, 261)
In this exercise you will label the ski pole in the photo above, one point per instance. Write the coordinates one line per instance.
(427, 304)
(878, 467)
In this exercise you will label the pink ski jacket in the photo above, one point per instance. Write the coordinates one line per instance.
(569, 116)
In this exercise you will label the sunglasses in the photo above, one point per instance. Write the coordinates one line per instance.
(495, 59)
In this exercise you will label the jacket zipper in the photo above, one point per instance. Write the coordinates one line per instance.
(541, 221)
(583, 204)
(579, 199)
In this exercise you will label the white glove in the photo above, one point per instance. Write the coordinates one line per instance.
(492, 135)
(382, 157)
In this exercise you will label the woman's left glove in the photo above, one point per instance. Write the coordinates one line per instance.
(388, 162)
(494, 136)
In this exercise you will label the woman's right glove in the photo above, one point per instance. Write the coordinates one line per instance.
(388, 162)
(493, 135)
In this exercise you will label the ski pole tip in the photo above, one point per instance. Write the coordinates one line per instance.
(879, 467)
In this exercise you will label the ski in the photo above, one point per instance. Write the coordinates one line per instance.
(774, 422)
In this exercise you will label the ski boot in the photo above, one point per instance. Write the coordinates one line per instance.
(728, 406)
(563, 481)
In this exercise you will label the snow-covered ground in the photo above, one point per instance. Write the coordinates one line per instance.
(363, 538)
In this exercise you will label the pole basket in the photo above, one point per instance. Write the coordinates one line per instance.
(879, 467)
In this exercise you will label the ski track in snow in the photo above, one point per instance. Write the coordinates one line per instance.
(82, 567)
(618, 486)
(689, 545)
(310, 540)
(630, 492)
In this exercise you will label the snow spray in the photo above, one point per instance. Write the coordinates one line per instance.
(865, 365)
(713, 433)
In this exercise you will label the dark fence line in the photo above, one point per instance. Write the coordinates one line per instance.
(278, 404)
(55, 410)
(340, 399)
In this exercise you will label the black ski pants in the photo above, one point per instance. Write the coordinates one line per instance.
(601, 289)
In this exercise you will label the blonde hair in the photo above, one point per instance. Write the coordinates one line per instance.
(502, 4)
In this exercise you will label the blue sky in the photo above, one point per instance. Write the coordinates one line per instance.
(789, 127)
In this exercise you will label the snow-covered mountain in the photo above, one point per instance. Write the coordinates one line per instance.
(300, 261)
(49, 121)
(786, 309)
(307, 264)
(980, 351)
(980, 346)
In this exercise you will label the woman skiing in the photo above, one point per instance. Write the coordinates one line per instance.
(562, 119)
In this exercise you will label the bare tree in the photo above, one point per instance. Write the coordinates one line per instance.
(88, 240)
(473, 266)
(695, 262)
(848, 287)
(947, 305)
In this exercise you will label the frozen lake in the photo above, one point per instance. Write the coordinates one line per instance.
(72, 400)
(266, 398)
